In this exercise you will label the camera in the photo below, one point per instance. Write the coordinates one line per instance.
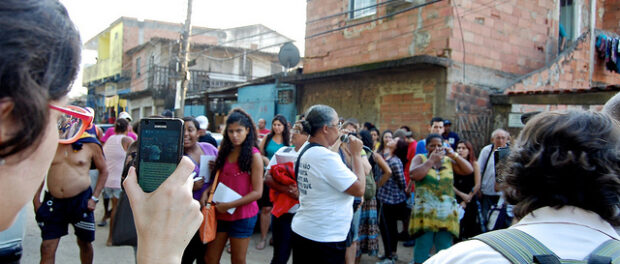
(344, 138)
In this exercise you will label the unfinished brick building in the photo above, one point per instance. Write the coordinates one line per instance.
(401, 62)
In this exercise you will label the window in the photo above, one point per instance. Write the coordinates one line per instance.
(567, 18)
(567, 31)
(361, 8)
(138, 66)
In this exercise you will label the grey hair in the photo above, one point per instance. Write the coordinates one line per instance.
(318, 116)
(612, 107)
(497, 131)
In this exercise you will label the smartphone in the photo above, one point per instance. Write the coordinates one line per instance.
(160, 149)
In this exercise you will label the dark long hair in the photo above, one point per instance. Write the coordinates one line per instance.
(286, 134)
(471, 157)
(381, 143)
(239, 116)
(38, 63)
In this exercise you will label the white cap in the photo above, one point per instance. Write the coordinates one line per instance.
(203, 121)
(124, 115)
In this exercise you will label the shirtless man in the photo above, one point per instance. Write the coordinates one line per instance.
(70, 199)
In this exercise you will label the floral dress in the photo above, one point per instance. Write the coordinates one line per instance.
(435, 208)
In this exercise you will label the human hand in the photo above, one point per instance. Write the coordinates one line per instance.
(211, 165)
(463, 204)
(355, 145)
(293, 192)
(91, 205)
(222, 207)
(437, 155)
(165, 219)
(469, 197)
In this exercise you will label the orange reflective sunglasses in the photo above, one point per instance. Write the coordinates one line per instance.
(73, 122)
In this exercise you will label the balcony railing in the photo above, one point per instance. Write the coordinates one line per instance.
(103, 69)
(162, 80)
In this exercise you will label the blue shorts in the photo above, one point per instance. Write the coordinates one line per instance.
(242, 228)
(55, 215)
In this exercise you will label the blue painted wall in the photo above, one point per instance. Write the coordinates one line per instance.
(260, 101)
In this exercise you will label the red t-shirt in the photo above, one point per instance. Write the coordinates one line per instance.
(410, 155)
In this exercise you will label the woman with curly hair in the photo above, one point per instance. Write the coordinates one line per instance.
(562, 177)
(241, 169)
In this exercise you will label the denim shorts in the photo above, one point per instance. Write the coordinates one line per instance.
(112, 192)
(242, 228)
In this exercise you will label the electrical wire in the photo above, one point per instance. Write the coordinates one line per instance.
(349, 11)
(462, 38)
(374, 19)
(430, 25)
(472, 10)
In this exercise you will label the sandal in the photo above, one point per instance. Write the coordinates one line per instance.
(261, 244)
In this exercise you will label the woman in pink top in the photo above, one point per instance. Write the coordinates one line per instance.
(114, 151)
(241, 169)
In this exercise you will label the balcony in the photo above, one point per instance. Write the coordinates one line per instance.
(103, 69)
(162, 80)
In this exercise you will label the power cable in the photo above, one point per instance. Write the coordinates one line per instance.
(427, 26)
(374, 19)
(349, 11)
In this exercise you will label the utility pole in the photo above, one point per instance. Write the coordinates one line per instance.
(184, 54)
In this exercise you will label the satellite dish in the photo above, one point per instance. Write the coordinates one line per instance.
(288, 55)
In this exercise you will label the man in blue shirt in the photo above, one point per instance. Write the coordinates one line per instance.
(448, 135)
(436, 127)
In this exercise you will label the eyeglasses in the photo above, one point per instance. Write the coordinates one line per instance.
(339, 125)
(73, 122)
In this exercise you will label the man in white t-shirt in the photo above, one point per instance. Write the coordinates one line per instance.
(326, 190)
(490, 195)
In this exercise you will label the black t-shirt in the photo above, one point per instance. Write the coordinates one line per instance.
(208, 138)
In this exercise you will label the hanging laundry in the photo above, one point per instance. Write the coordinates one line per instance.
(608, 49)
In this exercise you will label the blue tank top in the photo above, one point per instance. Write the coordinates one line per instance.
(271, 148)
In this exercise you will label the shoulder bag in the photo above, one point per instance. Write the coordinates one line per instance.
(208, 228)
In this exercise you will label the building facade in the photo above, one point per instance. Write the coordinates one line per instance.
(401, 62)
(137, 64)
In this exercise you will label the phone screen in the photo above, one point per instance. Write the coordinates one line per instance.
(159, 153)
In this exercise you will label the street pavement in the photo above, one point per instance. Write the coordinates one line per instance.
(68, 252)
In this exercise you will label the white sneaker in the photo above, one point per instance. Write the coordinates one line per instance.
(386, 261)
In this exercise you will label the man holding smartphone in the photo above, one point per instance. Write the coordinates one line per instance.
(69, 198)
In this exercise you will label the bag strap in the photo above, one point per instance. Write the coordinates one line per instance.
(518, 247)
(486, 164)
(608, 252)
(310, 145)
(213, 185)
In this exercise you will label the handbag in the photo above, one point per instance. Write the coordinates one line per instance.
(124, 230)
(208, 228)
(498, 217)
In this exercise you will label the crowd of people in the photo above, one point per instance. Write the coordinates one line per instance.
(328, 187)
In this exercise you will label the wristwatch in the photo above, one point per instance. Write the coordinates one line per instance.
(95, 199)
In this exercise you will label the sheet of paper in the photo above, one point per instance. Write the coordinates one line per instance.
(204, 166)
(282, 157)
(224, 194)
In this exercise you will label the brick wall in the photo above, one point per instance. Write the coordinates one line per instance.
(387, 100)
(422, 31)
(511, 36)
(570, 71)
(611, 17)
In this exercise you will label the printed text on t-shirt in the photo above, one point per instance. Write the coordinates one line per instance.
(302, 178)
